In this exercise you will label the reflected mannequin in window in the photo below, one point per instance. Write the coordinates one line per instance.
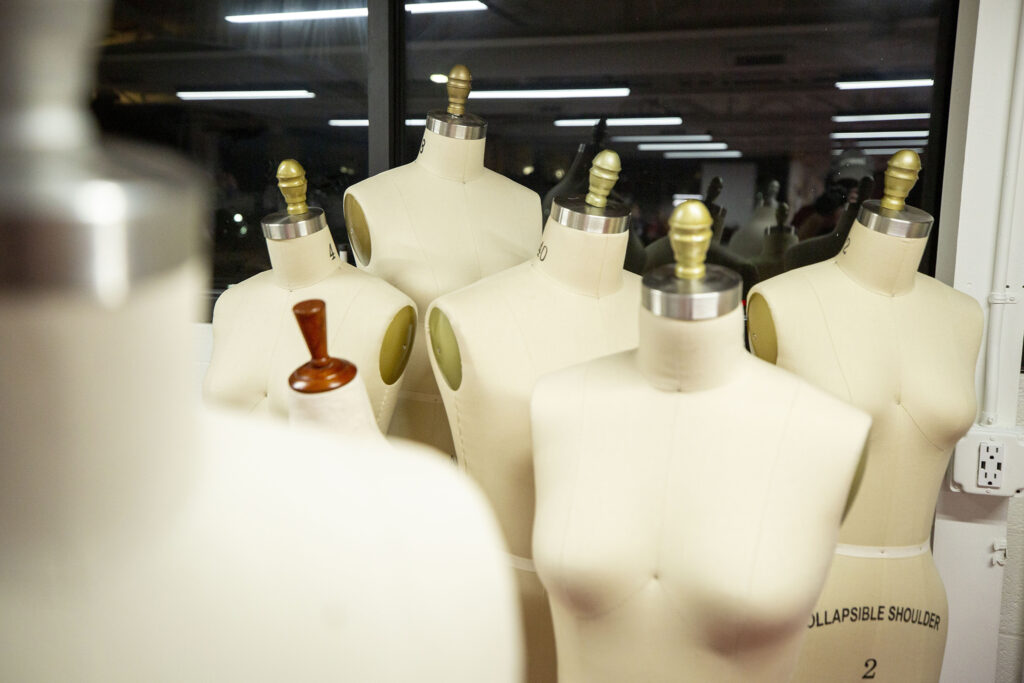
(748, 241)
(492, 340)
(256, 344)
(435, 225)
(147, 539)
(685, 516)
(659, 252)
(818, 249)
(872, 331)
(778, 239)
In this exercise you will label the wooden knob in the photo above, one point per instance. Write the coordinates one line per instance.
(321, 373)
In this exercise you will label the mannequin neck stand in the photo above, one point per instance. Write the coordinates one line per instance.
(587, 264)
(689, 356)
(880, 263)
(451, 158)
(303, 261)
(77, 497)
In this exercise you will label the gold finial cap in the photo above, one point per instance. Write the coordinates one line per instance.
(291, 179)
(900, 177)
(460, 81)
(604, 172)
(690, 235)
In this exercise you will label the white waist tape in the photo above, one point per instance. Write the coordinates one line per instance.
(883, 551)
(524, 563)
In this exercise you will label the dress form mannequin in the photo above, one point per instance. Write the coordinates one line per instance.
(328, 392)
(492, 340)
(255, 341)
(716, 210)
(676, 545)
(435, 225)
(748, 240)
(818, 249)
(868, 328)
(777, 241)
(142, 542)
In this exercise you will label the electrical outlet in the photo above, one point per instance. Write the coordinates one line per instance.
(990, 464)
(989, 461)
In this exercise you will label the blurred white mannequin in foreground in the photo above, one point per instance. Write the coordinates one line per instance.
(142, 542)
(686, 509)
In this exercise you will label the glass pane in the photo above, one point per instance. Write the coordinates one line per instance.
(168, 72)
(789, 102)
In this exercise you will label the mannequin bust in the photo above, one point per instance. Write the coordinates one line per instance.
(869, 329)
(749, 240)
(675, 544)
(144, 542)
(492, 340)
(778, 239)
(328, 392)
(435, 225)
(817, 249)
(255, 342)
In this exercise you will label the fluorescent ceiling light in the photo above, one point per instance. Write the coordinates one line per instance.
(661, 138)
(880, 134)
(636, 121)
(907, 143)
(350, 123)
(727, 154)
(431, 7)
(354, 12)
(888, 151)
(245, 94)
(438, 78)
(669, 146)
(868, 85)
(863, 118)
(561, 94)
(415, 122)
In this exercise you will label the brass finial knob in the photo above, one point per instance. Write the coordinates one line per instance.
(291, 179)
(690, 235)
(900, 177)
(781, 213)
(604, 171)
(460, 81)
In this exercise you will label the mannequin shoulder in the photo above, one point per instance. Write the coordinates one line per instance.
(372, 291)
(816, 418)
(963, 306)
(235, 296)
(794, 285)
(562, 390)
(510, 188)
(484, 301)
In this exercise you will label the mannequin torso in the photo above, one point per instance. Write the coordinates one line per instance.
(257, 344)
(570, 303)
(220, 548)
(869, 329)
(674, 545)
(433, 226)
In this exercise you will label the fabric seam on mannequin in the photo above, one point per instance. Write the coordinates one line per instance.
(831, 338)
(522, 563)
(883, 551)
